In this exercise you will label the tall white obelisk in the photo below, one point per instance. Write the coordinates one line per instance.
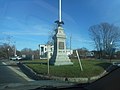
(59, 56)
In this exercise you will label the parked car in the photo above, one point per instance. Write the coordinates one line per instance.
(15, 58)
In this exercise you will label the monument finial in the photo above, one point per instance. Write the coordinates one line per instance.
(60, 22)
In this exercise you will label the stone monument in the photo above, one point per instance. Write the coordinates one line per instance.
(59, 56)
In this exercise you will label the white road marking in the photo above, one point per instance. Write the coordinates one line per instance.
(19, 73)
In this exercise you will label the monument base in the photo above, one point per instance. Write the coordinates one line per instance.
(60, 60)
(62, 63)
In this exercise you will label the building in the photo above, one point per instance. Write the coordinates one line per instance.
(43, 51)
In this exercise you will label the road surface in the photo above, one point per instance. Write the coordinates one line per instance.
(9, 80)
(108, 82)
(9, 76)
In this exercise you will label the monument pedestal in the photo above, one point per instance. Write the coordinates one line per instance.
(60, 59)
(60, 56)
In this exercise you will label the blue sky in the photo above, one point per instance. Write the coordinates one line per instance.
(30, 22)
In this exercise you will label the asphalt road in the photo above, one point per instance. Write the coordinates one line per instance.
(9, 80)
(9, 76)
(108, 82)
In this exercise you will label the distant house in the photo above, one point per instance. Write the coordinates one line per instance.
(83, 53)
(43, 51)
(89, 54)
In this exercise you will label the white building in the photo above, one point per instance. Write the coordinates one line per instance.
(44, 49)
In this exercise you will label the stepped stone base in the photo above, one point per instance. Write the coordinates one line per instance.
(61, 60)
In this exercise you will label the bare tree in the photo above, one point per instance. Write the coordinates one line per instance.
(51, 35)
(6, 51)
(27, 51)
(105, 37)
(83, 52)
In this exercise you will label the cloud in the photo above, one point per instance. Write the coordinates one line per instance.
(79, 39)
(19, 27)
(9, 18)
(84, 41)
(25, 33)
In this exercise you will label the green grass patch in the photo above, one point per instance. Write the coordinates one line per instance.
(90, 68)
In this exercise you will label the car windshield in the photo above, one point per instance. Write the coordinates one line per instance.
(59, 44)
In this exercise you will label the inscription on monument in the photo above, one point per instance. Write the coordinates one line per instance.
(61, 45)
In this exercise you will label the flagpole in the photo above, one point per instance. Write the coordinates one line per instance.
(60, 13)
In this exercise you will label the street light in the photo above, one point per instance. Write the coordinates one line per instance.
(111, 43)
(8, 53)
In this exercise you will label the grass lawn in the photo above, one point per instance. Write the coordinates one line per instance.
(90, 68)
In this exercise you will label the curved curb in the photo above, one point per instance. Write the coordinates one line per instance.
(30, 73)
(76, 80)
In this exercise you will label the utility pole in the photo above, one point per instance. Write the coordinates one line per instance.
(48, 48)
(39, 51)
(70, 44)
(15, 50)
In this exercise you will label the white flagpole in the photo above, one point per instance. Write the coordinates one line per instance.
(60, 9)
